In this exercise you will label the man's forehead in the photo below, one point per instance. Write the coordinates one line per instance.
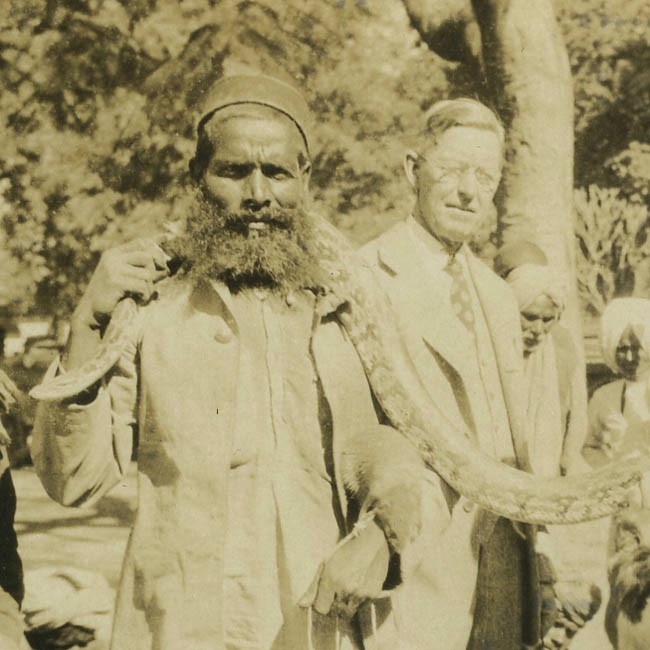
(238, 132)
(464, 142)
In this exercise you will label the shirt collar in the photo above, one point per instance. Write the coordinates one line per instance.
(423, 238)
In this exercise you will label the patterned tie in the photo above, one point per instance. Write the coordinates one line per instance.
(460, 296)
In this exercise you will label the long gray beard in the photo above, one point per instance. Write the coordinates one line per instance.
(219, 245)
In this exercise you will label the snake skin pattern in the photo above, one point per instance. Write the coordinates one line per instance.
(366, 316)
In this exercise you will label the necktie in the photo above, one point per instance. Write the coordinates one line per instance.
(459, 295)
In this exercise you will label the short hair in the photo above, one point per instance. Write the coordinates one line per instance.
(463, 111)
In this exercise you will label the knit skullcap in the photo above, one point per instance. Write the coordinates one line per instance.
(261, 90)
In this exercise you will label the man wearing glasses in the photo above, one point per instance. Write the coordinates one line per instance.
(469, 571)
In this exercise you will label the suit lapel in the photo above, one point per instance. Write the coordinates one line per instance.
(507, 354)
(428, 317)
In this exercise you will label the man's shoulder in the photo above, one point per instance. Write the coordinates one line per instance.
(169, 294)
(385, 246)
(484, 272)
(609, 393)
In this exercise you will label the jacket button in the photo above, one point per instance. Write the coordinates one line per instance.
(223, 334)
(468, 506)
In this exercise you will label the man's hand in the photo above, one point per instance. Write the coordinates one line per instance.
(130, 269)
(127, 270)
(576, 603)
(355, 572)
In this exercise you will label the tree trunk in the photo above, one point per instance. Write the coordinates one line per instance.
(528, 79)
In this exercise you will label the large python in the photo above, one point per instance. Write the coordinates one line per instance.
(365, 314)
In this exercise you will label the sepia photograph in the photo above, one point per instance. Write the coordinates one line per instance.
(325, 325)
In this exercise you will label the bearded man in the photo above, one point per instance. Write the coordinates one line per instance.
(246, 395)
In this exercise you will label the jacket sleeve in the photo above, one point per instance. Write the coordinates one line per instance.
(372, 463)
(81, 450)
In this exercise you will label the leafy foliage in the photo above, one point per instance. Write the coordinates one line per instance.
(609, 50)
(99, 105)
(612, 236)
(99, 108)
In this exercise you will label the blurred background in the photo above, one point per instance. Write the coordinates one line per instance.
(98, 105)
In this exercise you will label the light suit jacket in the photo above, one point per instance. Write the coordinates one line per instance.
(431, 331)
(177, 381)
(434, 603)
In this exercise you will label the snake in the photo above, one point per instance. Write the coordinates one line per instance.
(365, 313)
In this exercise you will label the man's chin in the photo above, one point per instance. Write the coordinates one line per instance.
(531, 346)
(458, 231)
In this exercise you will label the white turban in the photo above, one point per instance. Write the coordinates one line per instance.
(620, 314)
(529, 281)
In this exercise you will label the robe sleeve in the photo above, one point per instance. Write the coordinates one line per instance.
(576, 431)
(82, 448)
(606, 426)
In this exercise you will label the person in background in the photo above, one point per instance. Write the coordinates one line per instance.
(557, 428)
(557, 424)
(619, 412)
(11, 568)
(619, 423)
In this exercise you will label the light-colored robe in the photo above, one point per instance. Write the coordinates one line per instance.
(220, 479)
(619, 420)
(557, 425)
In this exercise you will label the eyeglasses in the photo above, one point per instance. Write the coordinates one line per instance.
(449, 172)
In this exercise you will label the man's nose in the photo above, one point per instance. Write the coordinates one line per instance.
(257, 193)
(467, 186)
(537, 326)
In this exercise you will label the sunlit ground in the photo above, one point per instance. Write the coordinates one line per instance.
(92, 538)
(95, 538)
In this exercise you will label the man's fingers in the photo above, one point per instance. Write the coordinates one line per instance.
(137, 287)
(309, 596)
(137, 273)
(345, 606)
(325, 596)
(154, 260)
(146, 249)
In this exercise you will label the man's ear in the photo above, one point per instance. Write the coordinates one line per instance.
(411, 163)
(305, 175)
